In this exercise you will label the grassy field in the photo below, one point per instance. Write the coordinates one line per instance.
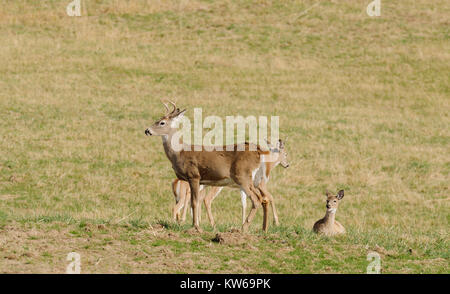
(364, 102)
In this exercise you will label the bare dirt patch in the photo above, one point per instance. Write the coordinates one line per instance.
(234, 238)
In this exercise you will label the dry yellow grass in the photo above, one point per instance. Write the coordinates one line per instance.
(364, 101)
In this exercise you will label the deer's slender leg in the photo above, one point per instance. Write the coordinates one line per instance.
(263, 187)
(250, 191)
(208, 201)
(274, 211)
(176, 210)
(244, 205)
(188, 203)
(185, 191)
(194, 184)
(201, 197)
(265, 204)
(179, 199)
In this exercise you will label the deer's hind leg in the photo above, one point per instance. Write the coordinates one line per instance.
(202, 196)
(266, 192)
(179, 200)
(208, 201)
(244, 177)
(186, 198)
(266, 197)
(255, 197)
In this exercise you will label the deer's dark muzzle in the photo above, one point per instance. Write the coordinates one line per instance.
(147, 132)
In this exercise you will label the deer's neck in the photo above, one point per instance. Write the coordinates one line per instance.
(171, 154)
(330, 216)
(269, 166)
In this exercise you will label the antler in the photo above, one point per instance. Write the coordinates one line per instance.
(167, 108)
(174, 106)
(174, 111)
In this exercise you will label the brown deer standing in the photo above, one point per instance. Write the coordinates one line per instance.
(328, 225)
(182, 194)
(229, 167)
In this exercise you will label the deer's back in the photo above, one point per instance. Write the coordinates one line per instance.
(218, 165)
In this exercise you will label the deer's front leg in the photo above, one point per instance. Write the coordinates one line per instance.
(195, 197)
(244, 205)
(186, 198)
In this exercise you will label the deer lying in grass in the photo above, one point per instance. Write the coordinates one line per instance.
(229, 167)
(182, 194)
(329, 225)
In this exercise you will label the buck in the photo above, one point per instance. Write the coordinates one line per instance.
(234, 165)
(328, 225)
(182, 195)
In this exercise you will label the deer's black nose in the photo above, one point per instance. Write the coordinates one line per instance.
(147, 132)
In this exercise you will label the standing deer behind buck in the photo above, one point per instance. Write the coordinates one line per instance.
(227, 167)
(328, 225)
(182, 192)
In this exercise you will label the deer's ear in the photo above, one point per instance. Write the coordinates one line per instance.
(340, 194)
(327, 193)
(177, 118)
(278, 144)
(181, 113)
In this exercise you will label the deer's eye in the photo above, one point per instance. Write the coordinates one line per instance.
(162, 123)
